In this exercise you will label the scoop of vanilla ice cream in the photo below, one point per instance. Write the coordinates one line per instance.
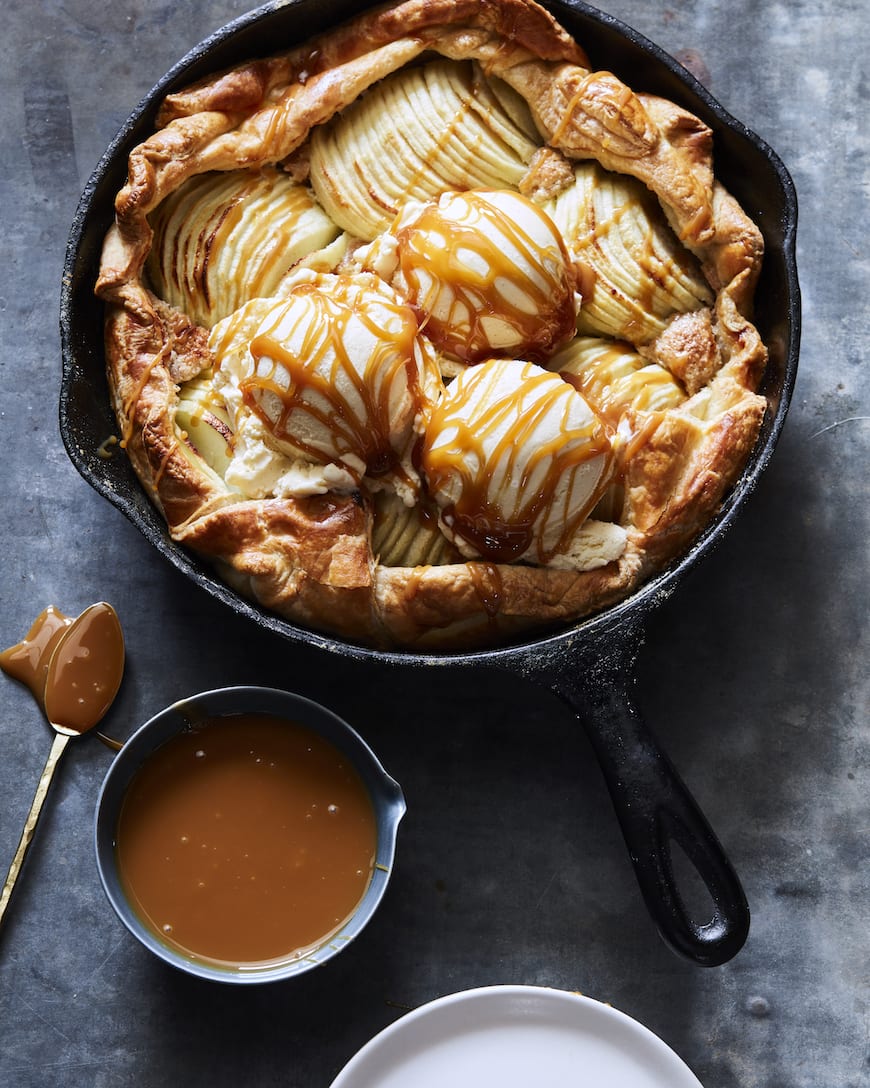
(327, 386)
(487, 270)
(516, 459)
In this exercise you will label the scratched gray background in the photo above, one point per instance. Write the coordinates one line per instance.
(511, 866)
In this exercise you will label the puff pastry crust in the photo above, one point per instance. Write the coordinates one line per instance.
(320, 559)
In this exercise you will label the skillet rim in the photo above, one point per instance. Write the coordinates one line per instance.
(136, 506)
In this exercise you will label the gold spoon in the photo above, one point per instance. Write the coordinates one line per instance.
(85, 665)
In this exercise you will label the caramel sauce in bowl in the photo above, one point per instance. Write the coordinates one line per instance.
(246, 834)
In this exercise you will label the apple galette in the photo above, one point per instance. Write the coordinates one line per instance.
(425, 332)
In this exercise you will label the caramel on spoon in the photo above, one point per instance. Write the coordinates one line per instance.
(74, 669)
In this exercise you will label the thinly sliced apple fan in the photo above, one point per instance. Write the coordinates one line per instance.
(633, 272)
(419, 133)
(224, 238)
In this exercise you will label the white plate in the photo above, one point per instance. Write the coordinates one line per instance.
(513, 1037)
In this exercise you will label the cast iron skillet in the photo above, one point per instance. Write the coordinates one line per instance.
(589, 664)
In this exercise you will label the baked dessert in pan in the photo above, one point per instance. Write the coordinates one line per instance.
(425, 332)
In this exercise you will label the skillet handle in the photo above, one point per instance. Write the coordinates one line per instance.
(655, 810)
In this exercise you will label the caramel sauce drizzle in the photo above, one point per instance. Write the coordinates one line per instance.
(569, 110)
(132, 399)
(270, 121)
(165, 461)
(506, 429)
(602, 99)
(639, 438)
(548, 319)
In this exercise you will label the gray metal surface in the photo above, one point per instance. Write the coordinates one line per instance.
(511, 867)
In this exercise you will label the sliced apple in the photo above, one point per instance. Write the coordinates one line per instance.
(223, 239)
(205, 425)
(613, 377)
(416, 134)
(633, 272)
